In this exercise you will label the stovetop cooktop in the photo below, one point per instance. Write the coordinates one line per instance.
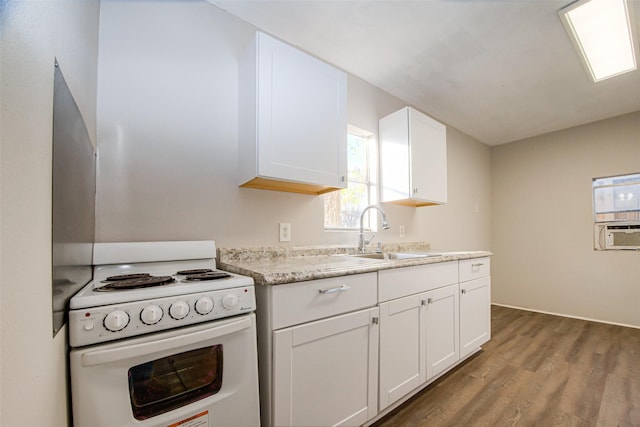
(148, 280)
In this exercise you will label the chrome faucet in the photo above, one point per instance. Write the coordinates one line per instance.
(362, 243)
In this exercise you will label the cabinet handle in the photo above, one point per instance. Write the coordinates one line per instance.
(342, 178)
(333, 290)
(374, 320)
(464, 291)
(423, 302)
(480, 264)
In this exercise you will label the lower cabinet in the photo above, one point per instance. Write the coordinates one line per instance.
(402, 362)
(475, 304)
(475, 314)
(342, 351)
(441, 329)
(418, 340)
(318, 351)
(326, 372)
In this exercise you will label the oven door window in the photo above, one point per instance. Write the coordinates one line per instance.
(168, 383)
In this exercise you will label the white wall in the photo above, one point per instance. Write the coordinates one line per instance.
(464, 222)
(167, 142)
(542, 229)
(32, 363)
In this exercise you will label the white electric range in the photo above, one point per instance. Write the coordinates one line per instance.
(160, 337)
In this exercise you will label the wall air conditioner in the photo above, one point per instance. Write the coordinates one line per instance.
(624, 236)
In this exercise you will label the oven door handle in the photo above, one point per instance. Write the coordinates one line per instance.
(100, 357)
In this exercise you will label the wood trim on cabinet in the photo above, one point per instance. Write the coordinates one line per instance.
(288, 186)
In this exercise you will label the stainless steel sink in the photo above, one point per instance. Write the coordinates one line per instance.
(395, 255)
(447, 253)
(371, 256)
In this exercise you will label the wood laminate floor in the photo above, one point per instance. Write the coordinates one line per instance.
(537, 370)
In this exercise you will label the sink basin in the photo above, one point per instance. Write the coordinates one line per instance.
(371, 256)
(395, 255)
(447, 253)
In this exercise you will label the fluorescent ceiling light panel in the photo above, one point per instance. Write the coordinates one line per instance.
(602, 32)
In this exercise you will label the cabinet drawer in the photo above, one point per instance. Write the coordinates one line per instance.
(400, 282)
(296, 303)
(474, 268)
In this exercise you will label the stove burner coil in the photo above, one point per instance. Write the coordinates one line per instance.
(125, 277)
(135, 283)
(196, 271)
(208, 276)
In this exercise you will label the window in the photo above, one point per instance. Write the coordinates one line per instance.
(342, 208)
(616, 198)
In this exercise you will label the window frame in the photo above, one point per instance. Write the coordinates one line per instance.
(616, 214)
(371, 182)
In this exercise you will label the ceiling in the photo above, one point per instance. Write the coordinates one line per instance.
(497, 70)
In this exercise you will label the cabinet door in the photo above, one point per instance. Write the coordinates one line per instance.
(402, 368)
(428, 158)
(413, 159)
(302, 117)
(325, 372)
(440, 324)
(475, 314)
(394, 156)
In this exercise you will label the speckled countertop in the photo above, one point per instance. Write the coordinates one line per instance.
(279, 265)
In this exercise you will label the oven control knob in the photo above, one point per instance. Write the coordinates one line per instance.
(204, 305)
(229, 301)
(117, 320)
(151, 315)
(179, 310)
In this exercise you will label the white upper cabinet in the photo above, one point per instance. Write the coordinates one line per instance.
(413, 159)
(292, 120)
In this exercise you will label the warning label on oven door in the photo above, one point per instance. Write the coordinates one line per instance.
(198, 420)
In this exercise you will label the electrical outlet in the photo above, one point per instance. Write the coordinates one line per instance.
(401, 230)
(285, 232)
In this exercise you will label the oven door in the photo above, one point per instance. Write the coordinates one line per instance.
(204, 376)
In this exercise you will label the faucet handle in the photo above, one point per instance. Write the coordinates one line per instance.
(366, 242)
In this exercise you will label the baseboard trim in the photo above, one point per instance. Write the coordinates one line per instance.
(566, 315)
